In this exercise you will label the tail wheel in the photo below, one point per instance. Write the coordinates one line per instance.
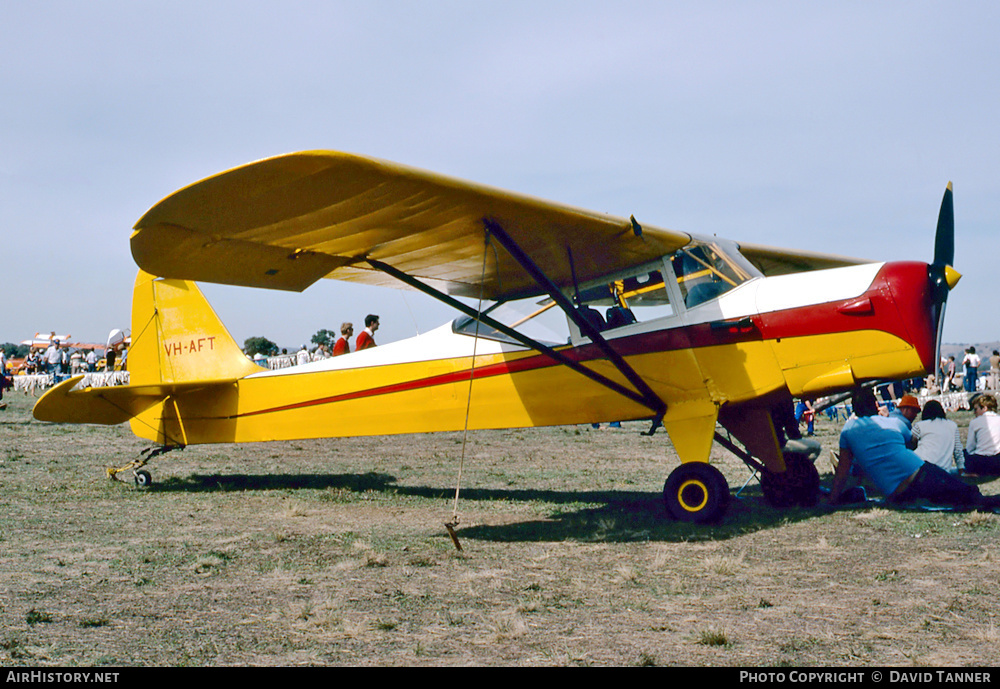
(696, 492)
(797, 486)
(143, 478)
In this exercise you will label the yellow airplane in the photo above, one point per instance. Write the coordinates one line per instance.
(686, 331)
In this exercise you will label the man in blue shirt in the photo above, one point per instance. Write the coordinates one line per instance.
(878, 444)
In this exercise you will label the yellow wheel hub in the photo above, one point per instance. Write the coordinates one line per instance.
(690, 489)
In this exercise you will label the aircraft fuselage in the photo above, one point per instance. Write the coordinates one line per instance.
(801, 335)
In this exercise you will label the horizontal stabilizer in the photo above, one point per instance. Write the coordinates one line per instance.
(106, 406)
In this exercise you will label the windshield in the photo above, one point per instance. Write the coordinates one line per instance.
(706, 270)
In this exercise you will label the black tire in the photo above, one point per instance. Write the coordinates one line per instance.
(696, 492)
(143, 478)
(797, 486)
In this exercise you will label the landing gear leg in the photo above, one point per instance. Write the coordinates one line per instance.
(142, 478)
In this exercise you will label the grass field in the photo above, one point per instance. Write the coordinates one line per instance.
(334, 552)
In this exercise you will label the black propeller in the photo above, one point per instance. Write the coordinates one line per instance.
(944, 246)
(941, 274)
(944, 240)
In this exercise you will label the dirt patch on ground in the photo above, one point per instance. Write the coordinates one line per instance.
(334, 552)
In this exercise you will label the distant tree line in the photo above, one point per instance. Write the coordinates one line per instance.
(15, 351)
(324, 337)
(259, 345)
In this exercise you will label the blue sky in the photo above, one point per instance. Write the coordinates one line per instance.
(830, 126)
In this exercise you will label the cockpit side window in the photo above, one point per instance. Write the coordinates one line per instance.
(636, 296)
(703, 271)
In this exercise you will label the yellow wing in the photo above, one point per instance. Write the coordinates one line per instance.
(286, 222)
(772, 261)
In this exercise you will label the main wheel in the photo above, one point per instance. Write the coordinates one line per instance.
(797, 486)
(696, 492)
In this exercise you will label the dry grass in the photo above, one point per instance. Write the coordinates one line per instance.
(335, 552)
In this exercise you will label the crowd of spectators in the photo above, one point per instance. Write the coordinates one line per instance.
(304, 355)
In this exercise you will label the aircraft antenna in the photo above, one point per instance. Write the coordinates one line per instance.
(413, 318)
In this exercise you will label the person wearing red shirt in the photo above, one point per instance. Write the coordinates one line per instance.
(343, 344)
(367, 337)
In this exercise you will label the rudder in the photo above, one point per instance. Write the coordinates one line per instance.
(178, 338)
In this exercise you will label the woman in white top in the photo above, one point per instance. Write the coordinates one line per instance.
(982, 447)
(937, 439)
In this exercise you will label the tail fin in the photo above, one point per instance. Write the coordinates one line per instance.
(177, 338)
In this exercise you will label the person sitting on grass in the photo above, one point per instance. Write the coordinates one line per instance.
(982, 448)
(937, 439)
(878, 445)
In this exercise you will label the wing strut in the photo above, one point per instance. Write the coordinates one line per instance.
(650, 398)
(510, 332)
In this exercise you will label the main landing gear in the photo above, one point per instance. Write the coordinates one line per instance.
(696, 492)
(141, 477)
